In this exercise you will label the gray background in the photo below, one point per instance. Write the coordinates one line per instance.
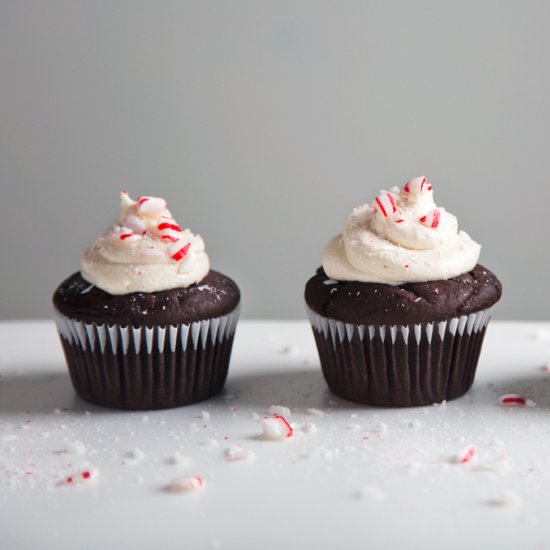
(264, 124)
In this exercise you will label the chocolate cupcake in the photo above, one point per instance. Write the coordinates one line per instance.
(400, 307)
(146, 324)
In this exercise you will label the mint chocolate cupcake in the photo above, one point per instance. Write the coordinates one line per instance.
(400, 307)
(146, 324)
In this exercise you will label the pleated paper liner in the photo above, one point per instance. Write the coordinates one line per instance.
(400, 366)
(145, 368)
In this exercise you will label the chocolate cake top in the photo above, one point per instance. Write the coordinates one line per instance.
(215, 295)
(382, 304)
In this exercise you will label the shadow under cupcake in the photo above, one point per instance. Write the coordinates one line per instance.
(400, 308)
(146, 324)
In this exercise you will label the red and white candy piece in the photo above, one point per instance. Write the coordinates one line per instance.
(169, 230)
(151, 205)
(515, 400)
(416, 186)
(431, 219)
(386, 204)
(236, 452)
(186, 484)
(466, 456)
(179, 250)
(276, 428)
(134, 223)
(83, 476)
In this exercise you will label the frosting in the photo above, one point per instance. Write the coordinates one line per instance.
(144, 251)
(402, 237)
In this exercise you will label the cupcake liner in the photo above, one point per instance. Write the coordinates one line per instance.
(400, 365)
(147, 367)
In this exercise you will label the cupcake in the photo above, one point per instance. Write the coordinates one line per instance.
(400, 306)
(146, 324)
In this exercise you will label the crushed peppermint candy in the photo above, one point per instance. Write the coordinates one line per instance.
(236, 452)
(177, 459)
(84, 476)
(209, 443)
(279, 409)
(186, 484)
(308, 427)
(416, 186)
(276, 428)
(205, 415)
(151, 205)
(513, 399)
(386, 204)
(431, 219)
(466, 456)
(314, 412)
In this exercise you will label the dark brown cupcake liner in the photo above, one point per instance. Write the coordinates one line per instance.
(400, 365)
(146, 368)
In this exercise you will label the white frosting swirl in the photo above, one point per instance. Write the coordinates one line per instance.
(144, 251)
(401, 238)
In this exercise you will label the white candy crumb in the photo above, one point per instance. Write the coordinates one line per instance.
(74, 448)
(279, 409)
(209, 443)
(507, 499)
(314, 412)
(236, 452)
(381, 428)
(330, 282)
(205, 415)
(179, 460)
(186, 484)
(308, 427)
(145, 418)
(371, 493)
(276, 428)
(133, 457)
(57, 411)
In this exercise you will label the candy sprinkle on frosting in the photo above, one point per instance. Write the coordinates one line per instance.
(431, 219)
(386, 203)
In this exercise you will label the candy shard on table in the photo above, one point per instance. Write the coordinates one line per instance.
(186, 484)
(276, 428)
(466, 456)
(236, 452)
(81, 477)
(513, 399)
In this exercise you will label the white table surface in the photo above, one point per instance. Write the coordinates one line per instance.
(367, 478)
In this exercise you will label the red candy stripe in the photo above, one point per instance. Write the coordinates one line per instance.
(512, 399)
(180, 252)
(166, 225)
(289, 430)
(125, 236)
